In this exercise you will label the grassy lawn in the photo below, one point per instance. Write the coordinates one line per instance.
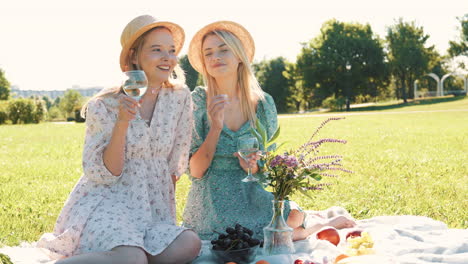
(404, 163)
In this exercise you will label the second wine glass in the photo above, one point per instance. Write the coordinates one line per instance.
(246, 146)
(135, 85)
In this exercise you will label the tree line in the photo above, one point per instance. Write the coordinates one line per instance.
(348, 63)
(345, 63)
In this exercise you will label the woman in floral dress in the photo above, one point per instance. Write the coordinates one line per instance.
(225, 111)
(122, 209)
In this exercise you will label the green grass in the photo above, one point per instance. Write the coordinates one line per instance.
(403, 163)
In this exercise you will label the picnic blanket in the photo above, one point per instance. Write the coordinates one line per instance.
(397, 239)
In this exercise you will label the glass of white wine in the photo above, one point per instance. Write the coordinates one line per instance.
(135, 85)
(246, 146)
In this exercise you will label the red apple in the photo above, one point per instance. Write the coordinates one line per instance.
(298, 261)
(355, 233)
(330, 234)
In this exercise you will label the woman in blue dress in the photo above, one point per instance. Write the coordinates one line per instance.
(224, 111)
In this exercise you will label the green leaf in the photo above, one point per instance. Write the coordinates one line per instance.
(273, 138)
(256, 134)
(276, 148)
(261, 129)
(315, 176)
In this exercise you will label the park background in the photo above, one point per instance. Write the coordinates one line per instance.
(408, 149)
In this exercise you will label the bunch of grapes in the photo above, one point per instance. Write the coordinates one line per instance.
(360, 245)
(235, 238)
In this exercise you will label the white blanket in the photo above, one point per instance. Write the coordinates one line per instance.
(397, 239)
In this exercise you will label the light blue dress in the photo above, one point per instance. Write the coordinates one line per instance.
(220, 199)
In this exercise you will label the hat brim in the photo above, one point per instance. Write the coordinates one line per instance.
(177, 33)
(195, 55)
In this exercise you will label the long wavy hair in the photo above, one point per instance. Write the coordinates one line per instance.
(250, 90)
(176, 78)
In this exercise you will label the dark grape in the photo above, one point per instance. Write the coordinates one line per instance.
(238, 246)
(217, 247)
(230, 230)
(236, 238)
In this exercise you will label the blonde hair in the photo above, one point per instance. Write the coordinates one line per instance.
(176, 78)
(250, 90)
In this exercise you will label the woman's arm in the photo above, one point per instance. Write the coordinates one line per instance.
(114, 153)
(201, 159)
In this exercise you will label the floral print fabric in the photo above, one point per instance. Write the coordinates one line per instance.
(220, 199)
(136, 208)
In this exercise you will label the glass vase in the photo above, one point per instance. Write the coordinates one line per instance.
(278, 235)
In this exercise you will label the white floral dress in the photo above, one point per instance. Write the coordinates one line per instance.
(136, 208)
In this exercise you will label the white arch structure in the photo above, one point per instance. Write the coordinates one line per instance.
(440, 82)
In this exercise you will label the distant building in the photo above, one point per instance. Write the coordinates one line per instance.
(86, 92)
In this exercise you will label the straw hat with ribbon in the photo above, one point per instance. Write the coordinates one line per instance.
(141, 24)
(194, 54)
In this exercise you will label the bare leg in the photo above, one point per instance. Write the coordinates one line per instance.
(118, 255)
(183, 249)
(296, 219)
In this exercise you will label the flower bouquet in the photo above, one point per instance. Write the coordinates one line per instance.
(288, 172)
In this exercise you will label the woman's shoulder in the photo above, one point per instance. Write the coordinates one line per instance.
(108, 101)
(268, 100)
(199, 96)
(199, 92)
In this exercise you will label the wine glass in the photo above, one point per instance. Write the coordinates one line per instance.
(246, 146)
(135, 85)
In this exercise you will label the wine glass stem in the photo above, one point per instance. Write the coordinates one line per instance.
(249, 172)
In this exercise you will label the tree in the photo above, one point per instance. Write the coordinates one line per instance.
(461, 47)
(408, 56)
(270, 75)
(4, 86)
(41, 111)
(299, 95)
(48, 101)
(71, 100)
(21, 111)
(345, 60)
(191, 75)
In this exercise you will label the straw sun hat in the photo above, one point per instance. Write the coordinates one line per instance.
(141, 24)
(194, 53)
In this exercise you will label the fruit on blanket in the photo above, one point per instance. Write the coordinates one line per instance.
(235, 238)
(237, 245)
(360, 245)
(262, 262)
(355, 233)
(330, 234)
(301, 261)
(340, 257)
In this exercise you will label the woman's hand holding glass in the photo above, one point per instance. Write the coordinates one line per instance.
(247, 149)
(253, 158)
(127, 109)
(134, 84)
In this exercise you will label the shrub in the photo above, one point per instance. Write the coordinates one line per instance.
(3, 117)
(21, 111)
(3, 112)
(334, 103)
(54, 113)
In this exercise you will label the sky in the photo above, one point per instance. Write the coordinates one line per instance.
(60, 44)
